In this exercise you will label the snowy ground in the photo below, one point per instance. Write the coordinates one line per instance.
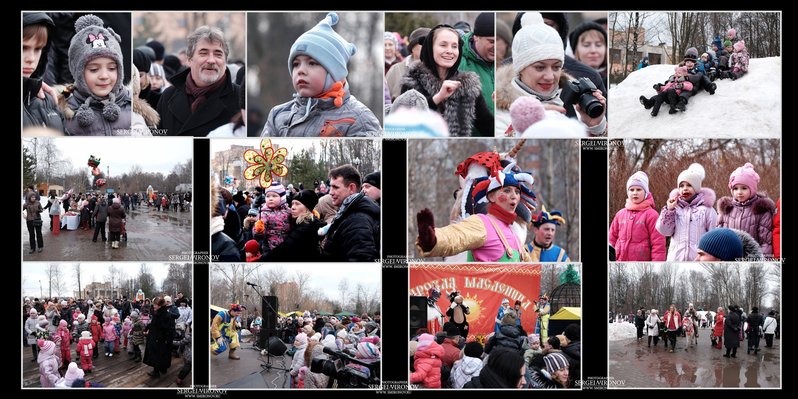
(621, 331)
(749, 107)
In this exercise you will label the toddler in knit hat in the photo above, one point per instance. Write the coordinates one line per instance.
(252, 249)
(687, 215)
(100, 104)
(747, 209)
(275, 214)
(633, 233)
(322, 105)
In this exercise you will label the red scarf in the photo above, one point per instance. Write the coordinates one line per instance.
(336, 91)
(498, 212)
(198, 95)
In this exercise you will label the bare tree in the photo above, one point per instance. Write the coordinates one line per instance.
(56, 279)
(76, 269)
(343, 287)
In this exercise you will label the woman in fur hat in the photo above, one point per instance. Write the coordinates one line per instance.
(456, 95)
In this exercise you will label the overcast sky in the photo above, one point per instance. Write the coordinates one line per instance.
(292, 145)
(155, 154)
(32, 273)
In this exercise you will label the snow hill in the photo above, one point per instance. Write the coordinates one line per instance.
(621, 331)
(749, 107)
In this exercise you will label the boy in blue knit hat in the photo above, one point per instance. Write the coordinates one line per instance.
(322, 105)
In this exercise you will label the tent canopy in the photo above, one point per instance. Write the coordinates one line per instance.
(325, 314)
(568, 313)
(342, 314)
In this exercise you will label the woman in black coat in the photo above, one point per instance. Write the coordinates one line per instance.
(302, 243)
(731, 331)
(160, 333)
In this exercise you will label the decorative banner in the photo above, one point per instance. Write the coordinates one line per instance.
(266, 163)
(483, 287)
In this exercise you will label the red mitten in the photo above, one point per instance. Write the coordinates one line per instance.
(426, 230)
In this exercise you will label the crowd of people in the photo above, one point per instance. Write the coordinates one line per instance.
(95, 210)
(149, 330)
(336, 221)
(744, 226)
(308, 336)
(727, 327)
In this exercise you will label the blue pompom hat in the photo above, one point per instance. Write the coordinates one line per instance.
(327, 47)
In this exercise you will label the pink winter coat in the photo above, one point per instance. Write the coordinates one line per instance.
(672, 84)
(109, 332)
(686, 223)
(428, 366)
(65, 337)
(754, 217)
(634, 235)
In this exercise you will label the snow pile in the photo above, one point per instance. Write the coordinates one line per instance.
(621, 331)
(749, 107)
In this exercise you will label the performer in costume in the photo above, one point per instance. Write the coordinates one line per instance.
(487, 237)
(457, 313)
(434, 314)
(500, 314)
(223, 331)
(98, 179)
(542, 248)
(543, 310)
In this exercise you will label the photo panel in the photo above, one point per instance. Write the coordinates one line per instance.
(552, 83)
(331, 87)
(191, 72)
(295, 200)
(694, 325)
(107, 199)
(439, 74)
(112, 325)
(75, 72)
(315, 327)
(491, 200)
(732, 70)
(694, 200)
(497, 326)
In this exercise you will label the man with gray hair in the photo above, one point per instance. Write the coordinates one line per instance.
(203, 97)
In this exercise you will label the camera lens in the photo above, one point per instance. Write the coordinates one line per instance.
(591, 105)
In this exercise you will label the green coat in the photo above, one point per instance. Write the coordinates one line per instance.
(471, 62)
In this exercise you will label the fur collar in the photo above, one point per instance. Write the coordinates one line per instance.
(459, 109)
(143, 108)
(760, 204)
(707, 195)
(506, 93)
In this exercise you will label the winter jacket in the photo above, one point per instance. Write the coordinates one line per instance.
(37, 111)
(465, 110)
(541, 379)
(115, 216)
(754, 323)
(731, 330)
(98, 125)
(277, 224)
(717, 331)
(313, 117)
(777, 230)
(30, 330)
(738, 62)
(185, 346)
(48, 368)
(677, 83)
(174, 107)
(33, 210)
(96, 331)
(299, 359)
(396, 73)
(301, 244)
(769, 325)
(754, 217)
(427, 364)
(510, 88)
(677, 320)
(472, 62)
(451, 353)
(222, 246)
(101, 211)
(634, 235)
(464, 370)
(686, 223)
(161, 332)
(354, 235)
(137, 333)
(652, 323)
(508, 337)
(573, 351)
(109, 332)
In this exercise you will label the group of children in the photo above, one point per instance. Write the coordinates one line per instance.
(741, 227)
(726, 60)
(87, 336)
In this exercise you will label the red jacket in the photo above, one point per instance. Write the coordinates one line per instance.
(718, 331)
(677, 320)
(96, 332)
(451, 353)
(85, 344)
(428, 366)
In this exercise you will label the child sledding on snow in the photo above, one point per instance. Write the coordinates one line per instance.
(738, 62)
(669, 92)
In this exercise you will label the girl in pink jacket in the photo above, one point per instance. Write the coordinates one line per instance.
(748, 210)
(427, 362)
(688, 215)
(633, 232)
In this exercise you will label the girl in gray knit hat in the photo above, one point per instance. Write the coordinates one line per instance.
(100, 103)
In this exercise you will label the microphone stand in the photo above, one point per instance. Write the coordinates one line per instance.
(268, 367)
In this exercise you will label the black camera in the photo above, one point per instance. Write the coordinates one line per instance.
(581, 91)
(346, 376)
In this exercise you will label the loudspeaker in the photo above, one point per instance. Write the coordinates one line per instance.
(418, 313)
(269, 306)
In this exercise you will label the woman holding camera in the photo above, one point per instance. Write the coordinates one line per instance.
(537, 71)
(456, 95)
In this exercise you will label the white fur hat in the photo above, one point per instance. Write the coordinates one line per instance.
(694, 175)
